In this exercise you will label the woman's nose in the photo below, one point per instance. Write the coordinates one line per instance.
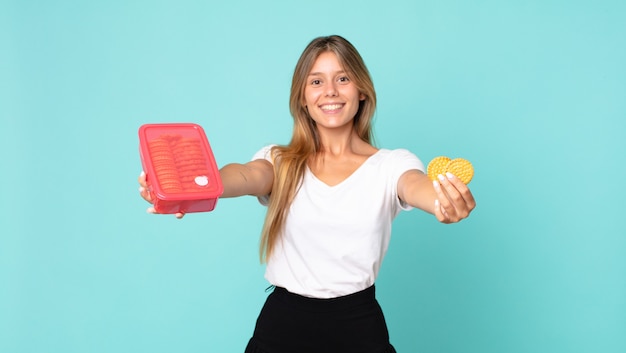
(331, 89)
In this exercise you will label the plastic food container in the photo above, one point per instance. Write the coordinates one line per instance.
(180, 168)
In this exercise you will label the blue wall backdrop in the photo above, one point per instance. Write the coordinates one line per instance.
(532, 92)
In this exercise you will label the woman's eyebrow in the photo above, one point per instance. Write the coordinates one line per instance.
(321, 73)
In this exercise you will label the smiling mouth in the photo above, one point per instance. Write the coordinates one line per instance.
(331, 107)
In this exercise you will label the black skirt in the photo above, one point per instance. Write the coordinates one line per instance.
(290, 323)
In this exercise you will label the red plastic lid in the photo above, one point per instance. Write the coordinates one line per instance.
(179, 162)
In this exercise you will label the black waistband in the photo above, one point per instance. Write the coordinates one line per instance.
(349, 301)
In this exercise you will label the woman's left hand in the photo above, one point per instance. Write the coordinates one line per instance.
(454, 199)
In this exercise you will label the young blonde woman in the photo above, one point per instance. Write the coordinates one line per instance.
(331, 197)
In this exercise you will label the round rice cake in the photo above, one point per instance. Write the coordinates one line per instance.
(437, 166)
(461, 168)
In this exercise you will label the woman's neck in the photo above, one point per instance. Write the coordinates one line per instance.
(337, 143)
(340, 145)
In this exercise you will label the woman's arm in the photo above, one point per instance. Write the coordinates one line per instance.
(448, 198)
(253, 178)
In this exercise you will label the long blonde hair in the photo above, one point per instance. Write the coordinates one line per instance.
(290, 161)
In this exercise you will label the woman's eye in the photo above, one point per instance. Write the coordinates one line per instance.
(316, 82)
(344, 79)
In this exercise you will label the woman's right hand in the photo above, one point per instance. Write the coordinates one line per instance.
(144, 191)
(143, 187)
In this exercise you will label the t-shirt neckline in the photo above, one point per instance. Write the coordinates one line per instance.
(351, 176)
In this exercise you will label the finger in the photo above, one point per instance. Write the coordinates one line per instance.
(143, 187)
(440, 210)
(444, 189)
(451, 185)
(463, 190)
(180, 215)
(151, 210)
(145, 194)
(458, 194)
(440, 213)
(142, 179)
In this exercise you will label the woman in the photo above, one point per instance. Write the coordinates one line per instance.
(331, 198)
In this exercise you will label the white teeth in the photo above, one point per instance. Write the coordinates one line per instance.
(331, 106)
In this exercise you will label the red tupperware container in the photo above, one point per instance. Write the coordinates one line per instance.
(181, 171)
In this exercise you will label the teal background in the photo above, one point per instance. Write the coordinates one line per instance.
(532, 92)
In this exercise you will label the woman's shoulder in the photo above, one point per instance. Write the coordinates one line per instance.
(264, 153)
(399, 156)
(395, 153)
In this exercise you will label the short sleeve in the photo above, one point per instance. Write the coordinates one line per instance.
(264, 153)
(402, 161)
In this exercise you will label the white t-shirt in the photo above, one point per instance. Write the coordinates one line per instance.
(335, 237)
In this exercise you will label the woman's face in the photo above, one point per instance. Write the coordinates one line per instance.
(331, 98)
